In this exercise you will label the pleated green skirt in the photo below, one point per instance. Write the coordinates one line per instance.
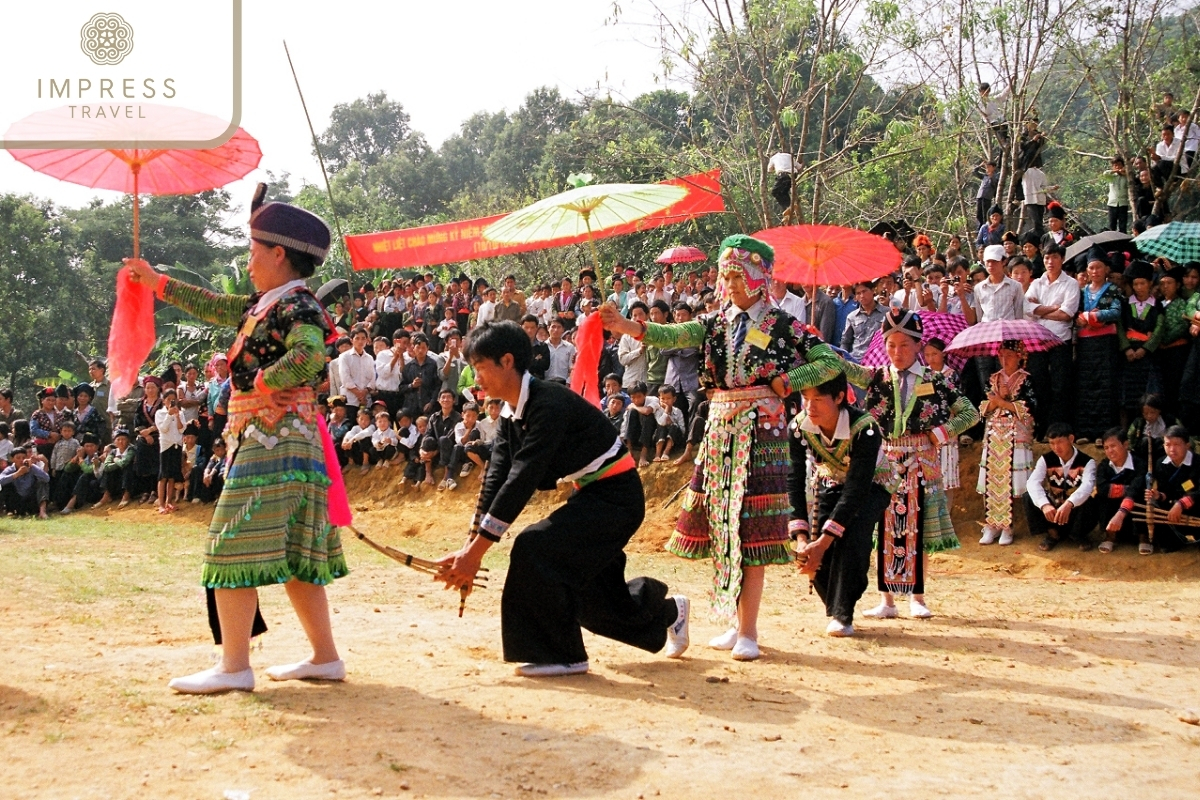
(271, 522)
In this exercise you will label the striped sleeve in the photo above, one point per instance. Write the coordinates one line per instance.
(218, 309)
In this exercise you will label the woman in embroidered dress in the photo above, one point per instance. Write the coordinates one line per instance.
(1007, 441)
(1172, 355)
(143, 478)
(919, 412)
(735, 510)
(270, 525)
(935, 358)
(1139, 336)
(1096, 365)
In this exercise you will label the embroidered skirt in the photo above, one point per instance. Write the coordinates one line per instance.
(918, 519)
(1005, 466)
(735, 509)
(270, 523)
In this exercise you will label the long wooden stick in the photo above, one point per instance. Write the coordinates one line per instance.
(337, 221)
(422, 565)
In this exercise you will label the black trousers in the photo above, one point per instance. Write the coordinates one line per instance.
(88, 489)
(30, 504)
(1096, 514)
(1051, 374)
(1033, 218)
(982, 206)
(640, 429)
(567, 572)
(1076, 527)
(674, 433)
(114, 482)
(375, 455)
(1118, 218)
(782, 190)
(214, 622)
(845, 567)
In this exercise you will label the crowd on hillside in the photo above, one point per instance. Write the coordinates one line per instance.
(399, 395)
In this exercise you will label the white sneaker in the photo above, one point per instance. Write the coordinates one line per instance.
(989, 535)
(214, 681)
(451, 484)
(465, 471)
(917, 610)
(838, 630)
(881, 611)
(308, 671)
(1006, 537)
(551, 670)
(725, 641)
(746, 649)
(677, 635)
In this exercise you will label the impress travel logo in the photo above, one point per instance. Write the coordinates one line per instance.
(130, 74)
(106, 39)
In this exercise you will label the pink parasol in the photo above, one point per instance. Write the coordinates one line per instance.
(681, 255)
(985, 338)
(936, 325)
(137, 171)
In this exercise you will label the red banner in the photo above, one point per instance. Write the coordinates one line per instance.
(463, 241)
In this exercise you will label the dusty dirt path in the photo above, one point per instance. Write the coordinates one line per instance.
(1039, 678)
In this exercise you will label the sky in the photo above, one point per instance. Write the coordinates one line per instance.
(443, 61)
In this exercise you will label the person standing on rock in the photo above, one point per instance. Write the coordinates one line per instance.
(566, 572)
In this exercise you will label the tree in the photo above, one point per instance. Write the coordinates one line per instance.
(366, 130)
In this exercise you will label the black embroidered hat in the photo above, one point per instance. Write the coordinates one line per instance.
(289, 226)
(900, 320)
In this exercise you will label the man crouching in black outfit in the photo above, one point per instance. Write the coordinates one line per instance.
(566, 571)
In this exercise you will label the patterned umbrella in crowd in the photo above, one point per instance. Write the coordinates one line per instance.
(985, 338)
(681, 255)
(1177, 241)
(936, 325)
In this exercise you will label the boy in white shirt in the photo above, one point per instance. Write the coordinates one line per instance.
(640, 423)
(358, 440)
(384, 442)
(669, 431)
(169, 421)
(356, 371)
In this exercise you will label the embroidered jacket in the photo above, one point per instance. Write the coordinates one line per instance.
(841, 472)
(287, 342)
(1055, 482)
(1180, 484)
(1018, 390)
(933, 405)
(1112, 481)
(776, 345)
(1141, 328)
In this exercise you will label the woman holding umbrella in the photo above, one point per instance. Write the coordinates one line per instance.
(735, 510)
(1096, 365)
(270, 525)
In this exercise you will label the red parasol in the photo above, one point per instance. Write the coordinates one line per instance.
(681, 255)
(985, 338)
(936, 325)
(157, 172)
(828, 254)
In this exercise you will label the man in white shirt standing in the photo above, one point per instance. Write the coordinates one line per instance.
(356, 371)
(1188, 134)
(631, 352)
(487, 309)
(562, 354)
(1033, 184)
(1053, 301)
(999, 297)
(389, 367)
(782, 164)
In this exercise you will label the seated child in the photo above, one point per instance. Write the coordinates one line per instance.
(417, 470)
(357, 441)
(669, 431)
(384, 442)
(1173, 492)
(640, 423)
(1114, 474)
(213, 479)
(1148, 429)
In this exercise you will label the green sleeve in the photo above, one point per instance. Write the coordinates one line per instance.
(1156, 338)
(857, 374)
(218, 309)
(823, 364)
(962, 416)
(303, 362)
(466, 378)
(679, 334)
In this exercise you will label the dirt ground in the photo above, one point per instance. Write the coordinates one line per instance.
(1062, 676)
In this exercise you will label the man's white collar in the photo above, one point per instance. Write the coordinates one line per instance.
(519, 411)
(756, 311)
(1187, 459)
(840, 431)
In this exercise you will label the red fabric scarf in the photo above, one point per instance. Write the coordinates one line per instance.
(131, 337)
(589, 341)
